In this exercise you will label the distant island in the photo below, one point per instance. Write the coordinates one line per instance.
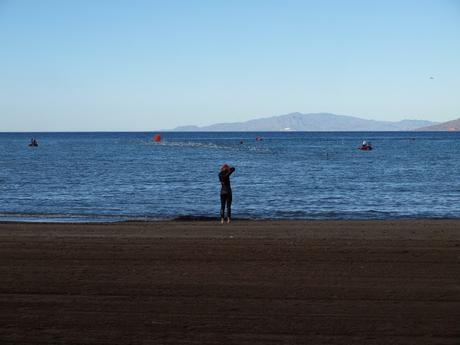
(317, 122)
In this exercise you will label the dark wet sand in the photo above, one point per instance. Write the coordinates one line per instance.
(374, 282)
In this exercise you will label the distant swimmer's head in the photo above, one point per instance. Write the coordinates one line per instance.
(225, 167)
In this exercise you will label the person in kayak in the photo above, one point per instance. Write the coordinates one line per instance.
(225, 192)
(33, 142)
(366, 146)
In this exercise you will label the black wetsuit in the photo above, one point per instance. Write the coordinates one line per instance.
(225, 192)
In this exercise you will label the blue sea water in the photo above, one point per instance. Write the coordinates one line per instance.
(288, 175)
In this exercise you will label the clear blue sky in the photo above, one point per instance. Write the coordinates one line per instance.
(144, 65)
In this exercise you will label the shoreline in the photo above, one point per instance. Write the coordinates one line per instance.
(248, 282)
(205, 219)
(407, 229)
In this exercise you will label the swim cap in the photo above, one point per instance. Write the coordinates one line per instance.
(224, 167)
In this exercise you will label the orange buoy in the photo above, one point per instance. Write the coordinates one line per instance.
(156, 138)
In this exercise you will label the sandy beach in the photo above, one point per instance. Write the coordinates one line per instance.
(250, 282)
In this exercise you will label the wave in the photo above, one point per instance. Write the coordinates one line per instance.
(72, 218)
(277, 215)
(193, 144)
(224, 145)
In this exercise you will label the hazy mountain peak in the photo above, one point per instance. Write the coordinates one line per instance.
(453, 125)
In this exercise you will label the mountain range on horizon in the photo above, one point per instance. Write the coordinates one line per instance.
(315, 122)
(450, 126)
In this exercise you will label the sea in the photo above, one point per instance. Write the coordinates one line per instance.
(112, 177)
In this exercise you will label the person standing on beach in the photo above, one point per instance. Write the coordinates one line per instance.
(225, 192)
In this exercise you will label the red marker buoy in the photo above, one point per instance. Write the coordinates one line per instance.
(156, 138)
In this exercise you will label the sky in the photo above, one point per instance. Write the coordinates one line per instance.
(96, 65)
